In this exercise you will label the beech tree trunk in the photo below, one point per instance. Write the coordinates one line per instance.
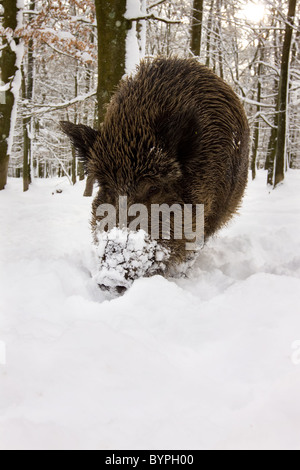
(27, 122)
(196, 28)
(256, 135)
(280, 157)
(112, 33)
(112, 29)
(8, 67)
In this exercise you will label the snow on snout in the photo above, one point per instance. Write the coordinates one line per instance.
(126, 256)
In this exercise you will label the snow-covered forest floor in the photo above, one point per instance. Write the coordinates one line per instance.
(199, 363)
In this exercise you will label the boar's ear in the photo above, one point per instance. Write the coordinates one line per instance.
(82, 138)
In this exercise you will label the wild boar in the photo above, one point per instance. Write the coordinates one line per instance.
(174, 133)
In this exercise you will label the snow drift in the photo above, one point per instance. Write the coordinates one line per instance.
(205, 362)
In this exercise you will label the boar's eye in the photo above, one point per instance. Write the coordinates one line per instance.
(111, 195)
(153, 190)
(107, 194)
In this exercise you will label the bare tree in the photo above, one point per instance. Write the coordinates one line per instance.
(258, 109)
(28, 84)
(10, 61)
(283, 96)
(112, 32)
(196, 27)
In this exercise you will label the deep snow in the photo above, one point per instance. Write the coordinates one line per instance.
(210, 362)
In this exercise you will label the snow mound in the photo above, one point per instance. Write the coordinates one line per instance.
(126, 256)
(209, 361)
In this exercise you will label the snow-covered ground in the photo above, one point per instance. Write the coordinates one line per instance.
(199, 363)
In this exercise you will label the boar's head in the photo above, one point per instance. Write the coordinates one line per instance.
(140, 161)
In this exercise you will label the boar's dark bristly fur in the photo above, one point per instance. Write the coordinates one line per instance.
(173, 133)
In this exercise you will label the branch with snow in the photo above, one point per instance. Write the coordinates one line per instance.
(61, 165)
(151, 16)
(263, 117)
(283, 16)
(256, 103)
(49, 108)
(82, 19)
(265, 64)
(156, 4)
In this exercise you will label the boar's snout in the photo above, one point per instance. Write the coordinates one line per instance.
(125, 256)
(118, 289)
